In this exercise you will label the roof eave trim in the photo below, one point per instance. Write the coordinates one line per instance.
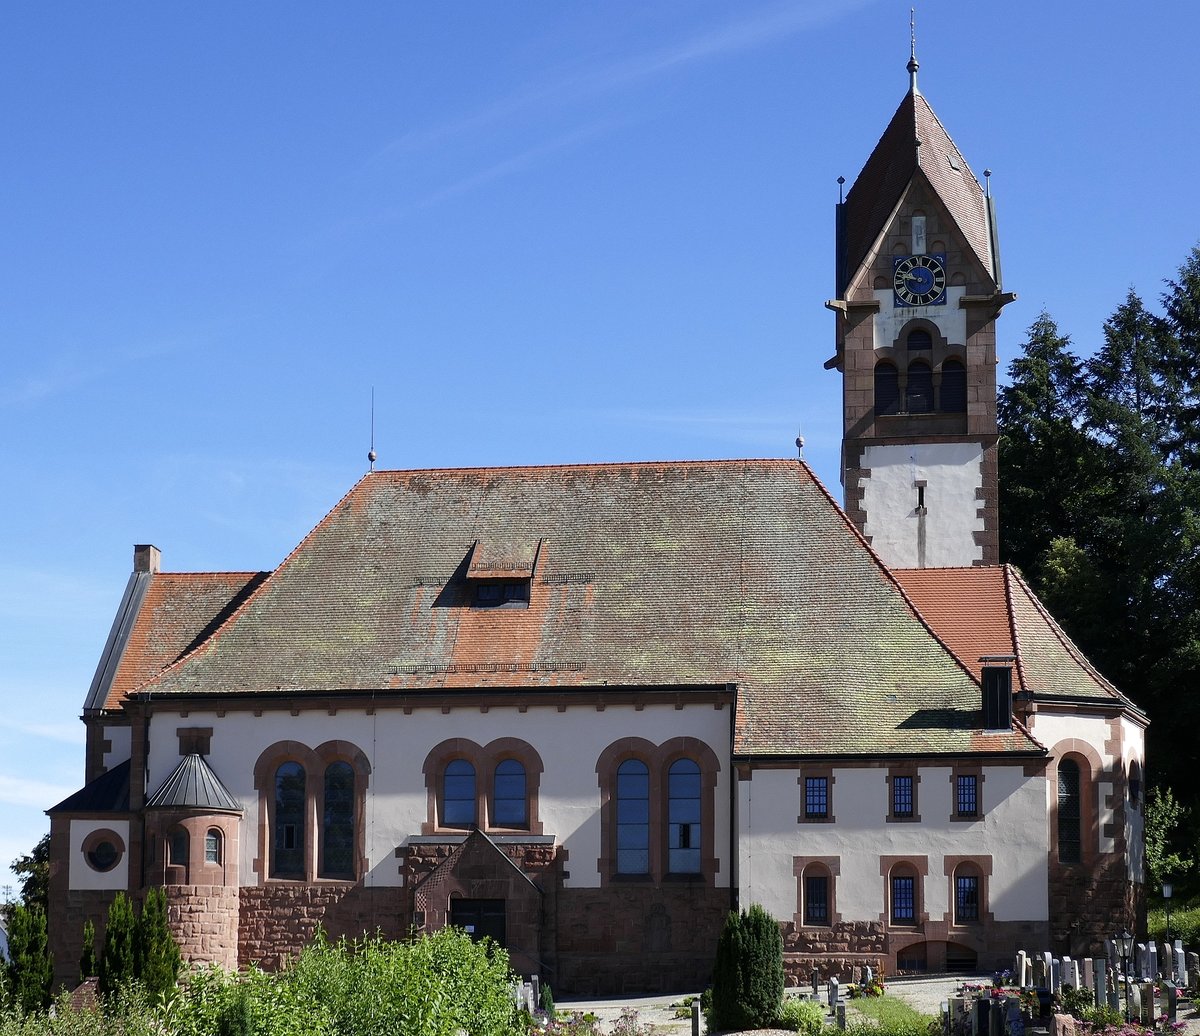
(118, 641)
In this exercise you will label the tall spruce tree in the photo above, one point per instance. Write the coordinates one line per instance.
(88, 965)
(157, 957)
(30, 970)
(118, 961)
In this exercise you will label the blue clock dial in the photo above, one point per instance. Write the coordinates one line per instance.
(919, 280)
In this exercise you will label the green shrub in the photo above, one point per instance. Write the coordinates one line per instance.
(30, 970)
(157, 954)
(118, 964)
(748, 977)
(803, 1016)
(546, 998)
(1102, 1017)
(1076, 1001)
(88, 965)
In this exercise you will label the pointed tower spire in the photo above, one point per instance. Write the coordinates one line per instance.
(913, 64)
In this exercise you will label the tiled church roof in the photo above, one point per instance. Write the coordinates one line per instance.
(992, 611)
(645, 575)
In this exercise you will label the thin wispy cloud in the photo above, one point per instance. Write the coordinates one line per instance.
(20, 791)
(758, 29)
(70, 734)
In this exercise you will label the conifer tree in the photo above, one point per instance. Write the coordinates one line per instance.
(88, 965)
(157, 954)
(30, 970)
(118, 958)
(748, 976)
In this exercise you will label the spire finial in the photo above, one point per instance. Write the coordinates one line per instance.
(913, 65)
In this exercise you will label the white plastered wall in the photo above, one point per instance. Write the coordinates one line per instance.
(80, 874)
(119, 737)
(1053, 729)
(1012, 831)
(1133, 741)
(952, 473)
(569, 743)
(951, 318)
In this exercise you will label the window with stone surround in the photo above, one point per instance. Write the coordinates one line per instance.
(212, 846)
(657, 810)
(493, 787)
(816, 795)
(966, 788)
(1069, 812)
(311, 809)
(816, 890)
(903, 782)
(967, 879)
(904, 894)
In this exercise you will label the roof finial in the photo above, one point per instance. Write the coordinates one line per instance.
(371, 455)
(913, 65)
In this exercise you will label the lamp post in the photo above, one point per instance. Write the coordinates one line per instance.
(1167, 890)
(1124, 943)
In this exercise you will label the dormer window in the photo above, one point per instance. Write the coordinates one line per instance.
(501, 593)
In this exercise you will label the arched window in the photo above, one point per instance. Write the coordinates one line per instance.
(458, 794)
(177, 848)
(683, 817)
(968, 894)
(919, 392)
(633, 817)
(1135, 783)
(288, 857)
(212, 846)
(904, 895)
(954, 387)
(887, 388)
(337, 832)
(509, 805)
(817, 891)
(1069, 812)
(919, 340)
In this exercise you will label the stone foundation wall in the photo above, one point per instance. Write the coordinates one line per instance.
(841, 950)
(278, 920)
(636, 938)
(204, 921)
(1089, 903)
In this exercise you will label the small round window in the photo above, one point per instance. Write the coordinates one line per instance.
(103, 850)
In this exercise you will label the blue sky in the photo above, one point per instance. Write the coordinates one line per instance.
(543, 232)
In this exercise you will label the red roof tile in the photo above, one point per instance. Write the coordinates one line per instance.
(651, 575)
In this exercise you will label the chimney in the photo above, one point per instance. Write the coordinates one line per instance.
(997, 691)
(146, 558)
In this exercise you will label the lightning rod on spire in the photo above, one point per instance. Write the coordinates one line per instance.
(371, 453)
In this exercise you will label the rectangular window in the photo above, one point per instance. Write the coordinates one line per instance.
(902, 797)
(967, 795)
(816, 899)
(502, 593)
(816, 798)
(904, 902)
(212, 847)
(966, 898)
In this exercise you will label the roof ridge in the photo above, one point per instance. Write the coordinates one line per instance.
(1070, 646)
(1012, 624)
(584, 466)
(206, 644)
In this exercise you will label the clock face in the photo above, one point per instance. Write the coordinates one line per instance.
(920, 280)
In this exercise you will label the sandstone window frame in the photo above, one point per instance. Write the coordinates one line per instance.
(974, 776)
(94, 855)
(828, 868)
(978, 867)
(911, 870)
(485, 759)
(658, 760)
(813, 795)
(896, 778)
(313, 762)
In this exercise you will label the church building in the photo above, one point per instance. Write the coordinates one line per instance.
(586, 710)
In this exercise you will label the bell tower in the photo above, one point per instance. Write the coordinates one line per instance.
(918, 294)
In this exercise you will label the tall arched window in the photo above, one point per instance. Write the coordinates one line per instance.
(337, 832)
(683, 817)
(633, 817)
(458, 794)
(919, 392)
(177, 848)
(509, 805)
(212, 846)
(954, 387)
(817, 891)
(887, 388)
(288, 857)
(1069, 812)
(968, 894)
